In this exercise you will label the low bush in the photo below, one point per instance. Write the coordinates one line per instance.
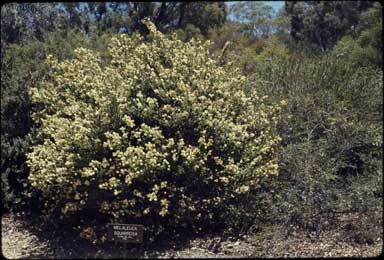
(331, 129)
(22, 67)
(156, 133)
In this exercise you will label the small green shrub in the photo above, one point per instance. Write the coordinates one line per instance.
(19, 69)
(157, 133)
(331, 129)
(22, 66)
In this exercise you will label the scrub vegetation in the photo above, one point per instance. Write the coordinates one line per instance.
(231, 119)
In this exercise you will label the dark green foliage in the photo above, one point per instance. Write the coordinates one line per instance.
(21, 22)
(331, 160)
(367, 48)
(324, 22)
(202, 15)
(19, 71)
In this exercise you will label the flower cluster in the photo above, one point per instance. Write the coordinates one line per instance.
(161, 130)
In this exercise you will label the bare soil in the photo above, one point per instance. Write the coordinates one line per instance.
(22, 240)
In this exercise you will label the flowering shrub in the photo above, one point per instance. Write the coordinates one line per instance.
(156, 133)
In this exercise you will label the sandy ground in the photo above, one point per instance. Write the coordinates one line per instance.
(20, 240)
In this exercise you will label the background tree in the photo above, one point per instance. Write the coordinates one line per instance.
(324, 22)
(255, 17)
(366, 49)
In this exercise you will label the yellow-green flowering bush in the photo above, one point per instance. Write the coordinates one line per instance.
(156, 133)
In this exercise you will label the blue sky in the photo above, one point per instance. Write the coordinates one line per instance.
(275, 4)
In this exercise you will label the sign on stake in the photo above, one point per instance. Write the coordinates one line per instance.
(126, 233)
